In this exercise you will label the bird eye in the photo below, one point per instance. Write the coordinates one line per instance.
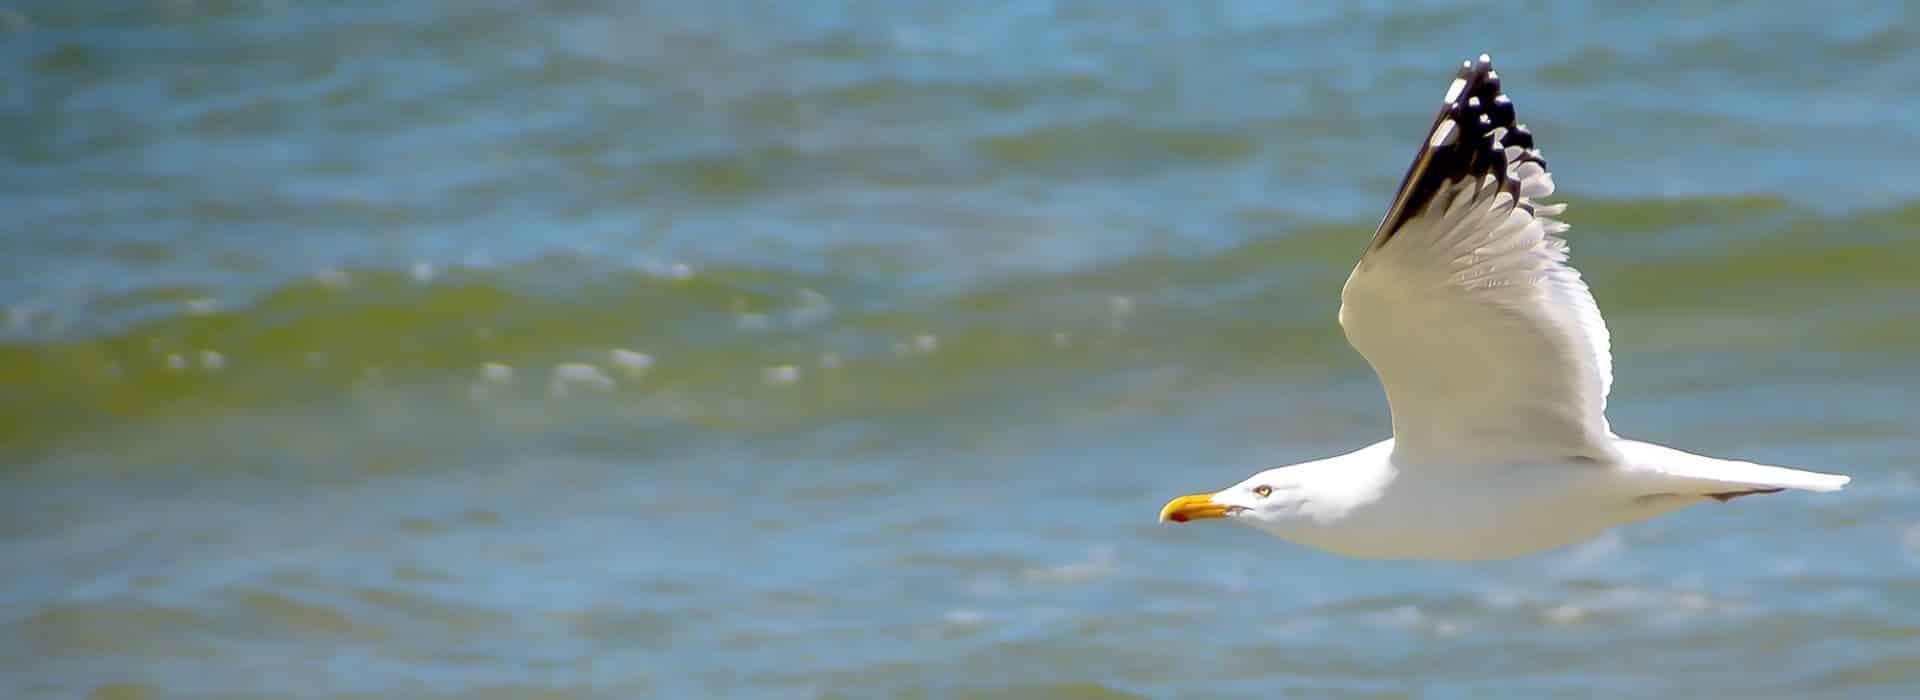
(1263, 491)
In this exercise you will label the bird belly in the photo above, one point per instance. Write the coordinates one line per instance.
(1501, 514)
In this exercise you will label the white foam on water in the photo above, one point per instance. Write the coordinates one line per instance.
(496, 372)
(1566, 614)
(571, 375)
(781, 375)
(200, 306)
(1407, 616)
(630, 361)
(963, 617)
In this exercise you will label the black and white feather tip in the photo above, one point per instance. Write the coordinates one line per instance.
(1474, 136)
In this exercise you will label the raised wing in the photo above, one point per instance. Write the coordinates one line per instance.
(1487, 342)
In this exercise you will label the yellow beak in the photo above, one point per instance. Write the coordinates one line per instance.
(1199, 506)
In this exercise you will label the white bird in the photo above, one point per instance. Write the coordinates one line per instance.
(1496, 367)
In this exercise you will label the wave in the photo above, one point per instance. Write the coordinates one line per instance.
(735, 348)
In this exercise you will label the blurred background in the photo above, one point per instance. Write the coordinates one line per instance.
(847, 348)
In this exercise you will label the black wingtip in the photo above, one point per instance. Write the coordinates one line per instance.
(1475, 134)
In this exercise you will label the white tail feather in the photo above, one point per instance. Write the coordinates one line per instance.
(1708, 475)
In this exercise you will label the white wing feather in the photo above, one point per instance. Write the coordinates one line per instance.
(1487, 342)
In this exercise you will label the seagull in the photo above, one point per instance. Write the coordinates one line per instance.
(1496, 367)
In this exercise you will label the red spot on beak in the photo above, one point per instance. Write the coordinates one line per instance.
(1178, 517)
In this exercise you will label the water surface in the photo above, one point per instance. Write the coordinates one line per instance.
(847, 349)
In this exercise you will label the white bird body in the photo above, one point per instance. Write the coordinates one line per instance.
(1375, 503)
(1496, 364)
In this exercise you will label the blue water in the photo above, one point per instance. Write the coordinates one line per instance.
(847, 349)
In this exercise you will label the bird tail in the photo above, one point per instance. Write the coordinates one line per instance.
(1724, 479)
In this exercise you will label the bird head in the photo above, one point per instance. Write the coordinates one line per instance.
(1270, 496)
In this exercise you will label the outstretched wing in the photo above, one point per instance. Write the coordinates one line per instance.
(1487, 342)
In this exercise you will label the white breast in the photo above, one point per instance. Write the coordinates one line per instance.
(1472, 512)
